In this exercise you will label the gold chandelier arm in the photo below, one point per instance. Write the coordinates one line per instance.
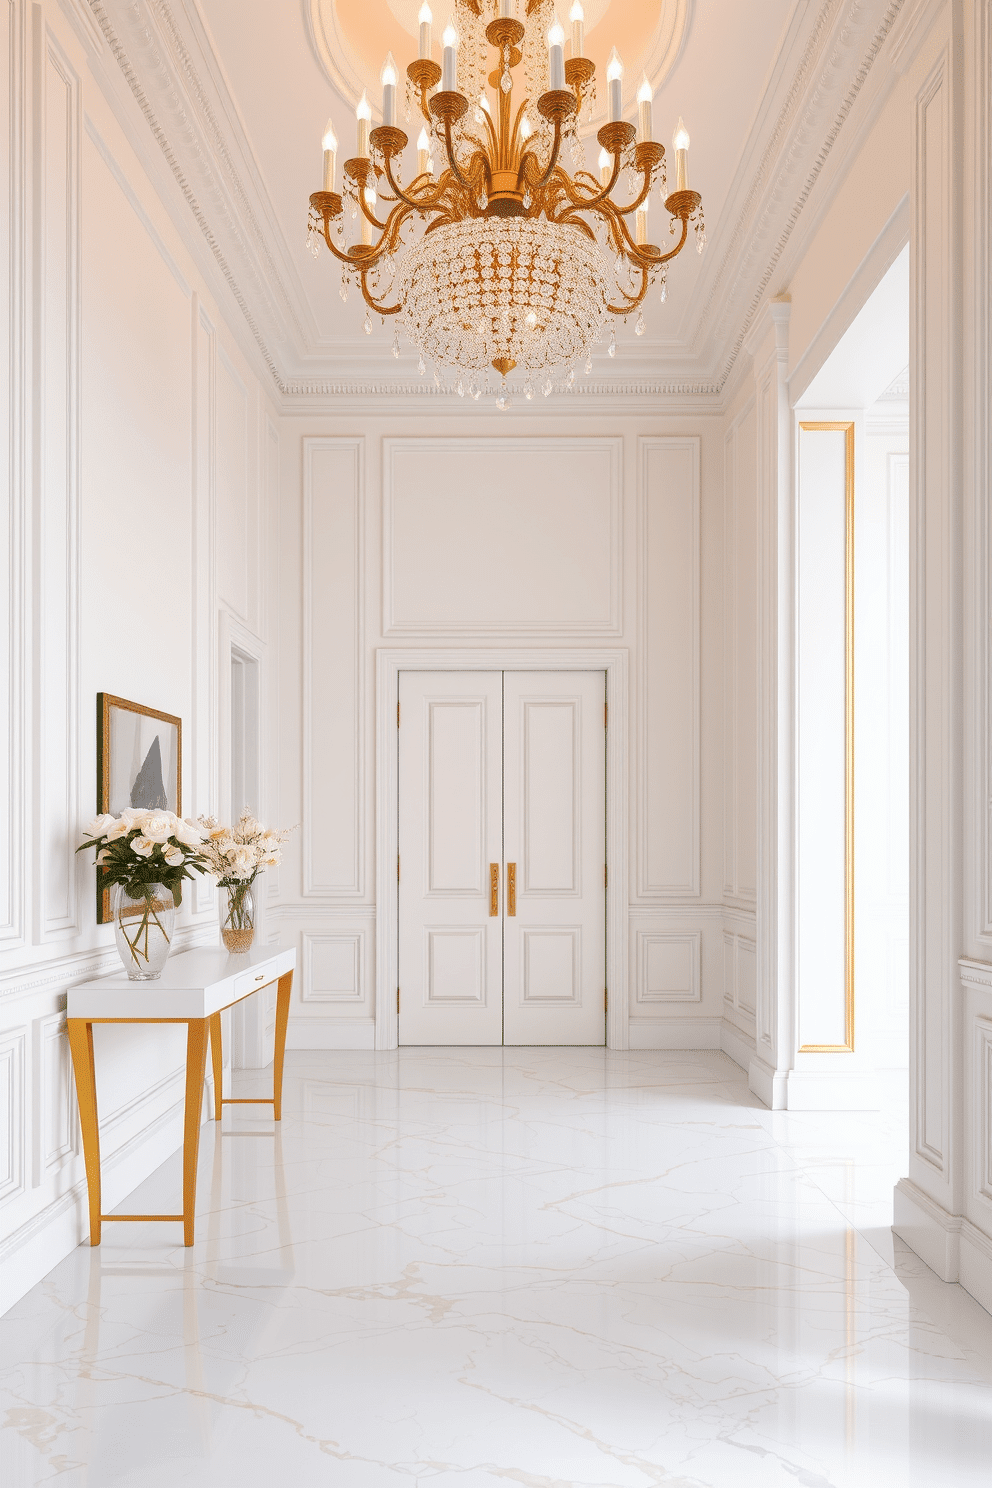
(590, 203)
(417, 204)
(652, 260)
(631, 301)
(449, 148)
(542, 180)
(374, 304)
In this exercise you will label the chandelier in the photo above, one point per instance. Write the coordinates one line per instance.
(521, 260)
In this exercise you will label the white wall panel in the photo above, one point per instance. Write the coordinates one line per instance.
(484, 536)
(667, 968)
(57, 481)
(669, 598)
(333, 668)
(743, 660)
(235, 506)
(13, 1122)
(55, 1099)
(334, 968)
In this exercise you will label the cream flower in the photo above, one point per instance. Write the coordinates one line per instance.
(100, 825)
(143, 846)
(174, 856)
(134, 816)
(119, 829)
(188, 832)
(159, 827)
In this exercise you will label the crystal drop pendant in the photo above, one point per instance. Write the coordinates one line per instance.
(571, 377)
(503, 398)
(421, 368)
(527, 201)
(396, 346)
(700, 242)
(640, 327)
(343, 291)
(613, 343)
(460, 389)
(528, 391)
(477, 394)
(546, 390)
(664, 290)
(588, 364)
(367, 327)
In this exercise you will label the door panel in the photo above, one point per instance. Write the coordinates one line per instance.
(450, 831)
(554, 830)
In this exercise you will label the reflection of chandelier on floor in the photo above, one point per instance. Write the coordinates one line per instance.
(515, 266)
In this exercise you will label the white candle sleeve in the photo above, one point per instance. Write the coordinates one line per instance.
(425, 17)
(556, 59)
(577, 17)
(449, 61)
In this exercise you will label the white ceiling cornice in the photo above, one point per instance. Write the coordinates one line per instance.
(165, 54)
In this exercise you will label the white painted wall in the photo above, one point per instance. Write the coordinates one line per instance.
(143, 454)
(562, 530)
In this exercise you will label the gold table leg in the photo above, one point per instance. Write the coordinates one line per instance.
(196, 1061)
(282, 1019)
(81, 1048)
(217, 1056)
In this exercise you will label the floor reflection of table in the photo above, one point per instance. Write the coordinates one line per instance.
(195, 987)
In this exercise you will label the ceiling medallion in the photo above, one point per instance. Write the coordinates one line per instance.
(521, 261)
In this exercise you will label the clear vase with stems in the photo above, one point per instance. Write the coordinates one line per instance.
(143, 928)
(238, 927)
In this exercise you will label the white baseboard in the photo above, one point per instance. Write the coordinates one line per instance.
(331, 1033)
(30, 1252)
(950, 1244)
(735, 1043)
(831, 1090)
(675, 1033)
(767, 1083)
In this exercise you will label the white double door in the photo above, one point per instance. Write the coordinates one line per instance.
(502, 862)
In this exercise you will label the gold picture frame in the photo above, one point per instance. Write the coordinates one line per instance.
(137, 764)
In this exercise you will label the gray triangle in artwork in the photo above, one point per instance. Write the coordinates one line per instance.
(148, 789)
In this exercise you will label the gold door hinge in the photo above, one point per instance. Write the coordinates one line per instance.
(397, 999)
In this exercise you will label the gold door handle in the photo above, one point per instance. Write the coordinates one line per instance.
(493, 889)
(511, 888)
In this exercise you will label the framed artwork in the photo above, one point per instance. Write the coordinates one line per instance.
(139, 762)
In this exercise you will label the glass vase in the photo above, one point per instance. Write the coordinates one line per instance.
(143, 929)
(238, 926)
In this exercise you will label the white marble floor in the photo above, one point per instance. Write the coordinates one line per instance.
(473, 1268)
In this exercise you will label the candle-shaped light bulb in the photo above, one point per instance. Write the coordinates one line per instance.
(388, 77)
(329, 145)
(425, 18)
(645, 94)
(556, 58)
(449, 60)
(425, 165)
(680, 141)
(363, 113)
(605, 167)
(614, 78)
(577, 16)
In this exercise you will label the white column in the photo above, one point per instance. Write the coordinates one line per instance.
(774, 1022)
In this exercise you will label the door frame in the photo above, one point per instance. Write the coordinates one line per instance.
(388, 665)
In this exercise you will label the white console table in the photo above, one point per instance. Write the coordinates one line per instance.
(195, 987)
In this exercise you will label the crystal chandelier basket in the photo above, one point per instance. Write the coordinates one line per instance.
(521, 260)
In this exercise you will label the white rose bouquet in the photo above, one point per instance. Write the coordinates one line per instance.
(234, 856)
(139, 850)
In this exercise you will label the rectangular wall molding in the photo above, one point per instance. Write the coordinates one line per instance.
(333, 668)
(668, 676)
(515, 536)
(55, 582)
(334, 967)
(667, 968)
(13, 1113)
(740, 640)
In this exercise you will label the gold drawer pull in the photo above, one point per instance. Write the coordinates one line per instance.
(511, 888)
(493, 889)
